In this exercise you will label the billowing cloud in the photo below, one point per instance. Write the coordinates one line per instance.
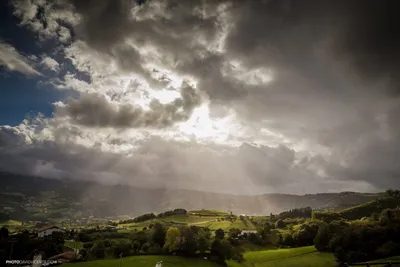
(97, 111)
(50, 64)
(311, 85)
(11, 59)
(160, 163)
(51, 19)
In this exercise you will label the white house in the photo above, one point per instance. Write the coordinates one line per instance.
(248, 232)
(48, 230)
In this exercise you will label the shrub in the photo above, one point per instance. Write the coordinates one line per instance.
(279, 224)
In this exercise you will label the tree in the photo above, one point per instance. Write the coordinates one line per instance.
(154, 249)
(223, 250)
(388, 249)
(172, 239)
(375, 216)
(141, 237)
(4, 233)
(158, 235)
(219, 234)
(255, 238)
(279, 224)
(203, 241)
(274, 238)
(123, 246)
(146, 246)
(136, 246)
(189, 241)
(393, 193)
(321, 240)
(234, 232)
(305, 234)
(98, 250)
(287, 239)
(386, 216)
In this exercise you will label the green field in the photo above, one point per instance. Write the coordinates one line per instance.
(391, 259)
(146, 261)
(208, 212)
(73, 244)
(211, 219)
(304, 256)
(292, 257)
(219, 225)
(11, 223)
(188, 219)
(243, 224)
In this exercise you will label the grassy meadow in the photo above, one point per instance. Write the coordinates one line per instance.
(146, 261)
(292, 257)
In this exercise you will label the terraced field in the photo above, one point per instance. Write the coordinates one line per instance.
(202, 218)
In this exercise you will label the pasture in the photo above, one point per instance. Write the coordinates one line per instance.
(146, 261)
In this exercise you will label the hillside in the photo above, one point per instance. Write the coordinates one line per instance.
(36, 198)
(368, 208)
(363, 210)
(210, 219)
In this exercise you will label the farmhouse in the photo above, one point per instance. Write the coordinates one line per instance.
(48, 230)
(248, 232)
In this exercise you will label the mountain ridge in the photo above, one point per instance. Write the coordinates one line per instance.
(88, 197)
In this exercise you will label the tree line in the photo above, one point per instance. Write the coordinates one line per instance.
(362, 240)
(187, 241)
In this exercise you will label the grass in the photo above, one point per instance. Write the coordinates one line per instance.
(208, 212)
(391, 259)
(244, 224)
(189, 219)
(209, 221)
(73, 244)
(293, 257)
(220, 225)
(204, 224)
(309, 260)
(247, 247)
(268, 255)
(146, 261)
(11, 223)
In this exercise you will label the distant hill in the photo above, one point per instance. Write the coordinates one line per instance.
(366, 209)
(35, 198)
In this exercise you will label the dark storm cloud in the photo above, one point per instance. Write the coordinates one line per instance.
(371, 39)
(336, 66)
(104, 23)
(335, 79)
(161, 163)
(96, 111)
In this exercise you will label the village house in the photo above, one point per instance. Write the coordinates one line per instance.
(48, 230)
(248, 232)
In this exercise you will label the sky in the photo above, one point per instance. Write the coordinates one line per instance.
(244, 97)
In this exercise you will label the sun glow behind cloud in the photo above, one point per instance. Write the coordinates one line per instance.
(201, 126)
